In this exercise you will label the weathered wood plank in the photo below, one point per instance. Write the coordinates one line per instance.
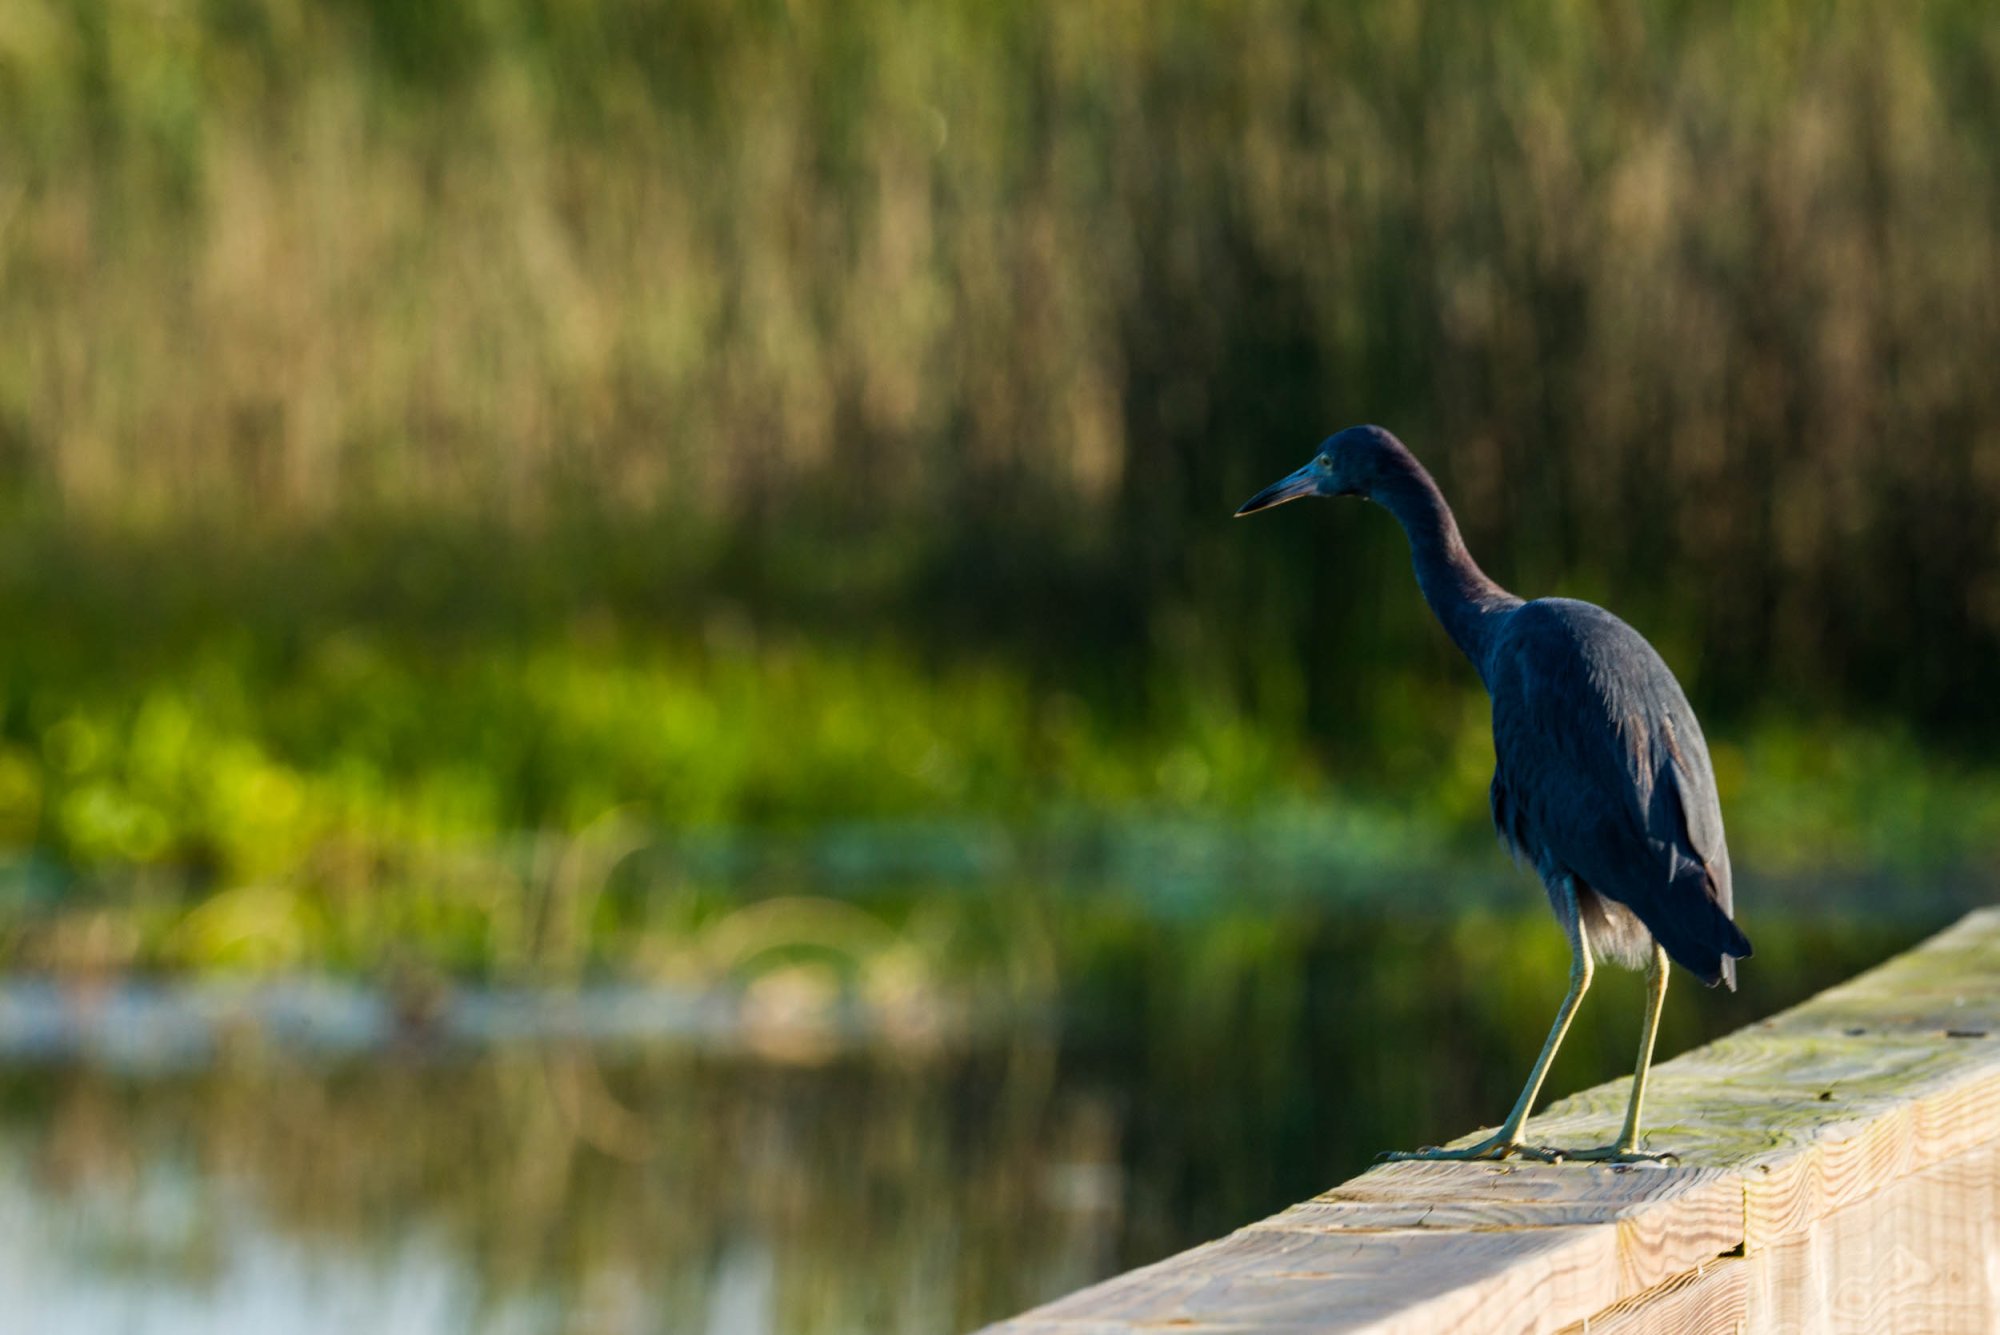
(1712, 1300)
(1921, 1255)
(1348, 1284)
(1840, 1171)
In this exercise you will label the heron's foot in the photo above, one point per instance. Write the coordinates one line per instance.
(1493, 1148)
(1621, 1154)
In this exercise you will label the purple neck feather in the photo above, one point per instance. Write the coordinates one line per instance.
(1468, 604)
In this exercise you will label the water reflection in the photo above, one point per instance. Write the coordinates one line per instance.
(543, 1188)
(567, 1180)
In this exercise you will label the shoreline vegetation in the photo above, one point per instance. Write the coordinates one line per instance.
(383, 749)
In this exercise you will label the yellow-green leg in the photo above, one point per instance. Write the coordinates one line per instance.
(1507, 1140)
(1626, 1148)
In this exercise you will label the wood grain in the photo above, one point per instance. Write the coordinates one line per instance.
(1840, 1171)
(1711, 1300)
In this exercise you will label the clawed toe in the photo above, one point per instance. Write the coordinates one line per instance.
(1486, 1151)
(1495, 1150)
(1622, 1154)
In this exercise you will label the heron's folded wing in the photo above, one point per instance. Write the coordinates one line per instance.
(1603, 767)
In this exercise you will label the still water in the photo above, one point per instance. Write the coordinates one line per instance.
(313, 1158)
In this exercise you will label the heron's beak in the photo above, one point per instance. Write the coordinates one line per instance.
(1301, 483)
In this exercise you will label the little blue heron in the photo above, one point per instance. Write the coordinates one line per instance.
(1601, 783)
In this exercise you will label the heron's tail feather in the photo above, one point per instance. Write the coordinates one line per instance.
(1706, 942)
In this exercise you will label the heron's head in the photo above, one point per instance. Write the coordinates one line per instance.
(1347, 463)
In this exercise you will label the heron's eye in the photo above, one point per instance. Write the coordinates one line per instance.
(1325, 461)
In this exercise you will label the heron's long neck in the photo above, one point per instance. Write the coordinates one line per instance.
(1467, 603)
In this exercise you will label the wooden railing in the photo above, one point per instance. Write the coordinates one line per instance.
(1840, 1171)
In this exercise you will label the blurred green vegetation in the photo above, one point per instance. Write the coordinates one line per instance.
(423, 426)
(382, 746)
(379, 747)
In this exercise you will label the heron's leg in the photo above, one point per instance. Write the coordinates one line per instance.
(1626, 1148)
(1507, 1140)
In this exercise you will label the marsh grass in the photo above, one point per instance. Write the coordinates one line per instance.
(1663, 286)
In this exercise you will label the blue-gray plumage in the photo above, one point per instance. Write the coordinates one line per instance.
(1601, 781)
(1602, 773)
